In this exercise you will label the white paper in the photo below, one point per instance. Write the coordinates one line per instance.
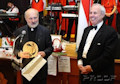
(6, 53)
(64, 64)
(31, 69)
(52, 65)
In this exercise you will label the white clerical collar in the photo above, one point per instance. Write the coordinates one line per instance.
(32, 29)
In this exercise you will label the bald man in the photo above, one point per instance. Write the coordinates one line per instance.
(38, 34)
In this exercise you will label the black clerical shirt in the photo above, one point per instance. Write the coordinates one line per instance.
(32, 33)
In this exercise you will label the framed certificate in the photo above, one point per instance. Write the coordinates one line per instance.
(56, 39)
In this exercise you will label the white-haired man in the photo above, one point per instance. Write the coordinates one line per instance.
(96, 50)
(39, 35)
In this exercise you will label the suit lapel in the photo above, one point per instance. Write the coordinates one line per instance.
(98, 34)
(86, 35)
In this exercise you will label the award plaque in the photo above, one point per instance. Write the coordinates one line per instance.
(31, 47)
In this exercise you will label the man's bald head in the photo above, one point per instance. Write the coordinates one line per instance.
(32, 17)
(30, 11)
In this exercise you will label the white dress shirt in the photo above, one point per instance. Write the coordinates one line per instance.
(13, 9)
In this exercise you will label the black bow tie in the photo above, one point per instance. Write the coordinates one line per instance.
(94, 27)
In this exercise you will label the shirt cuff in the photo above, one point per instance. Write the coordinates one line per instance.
(80, 62)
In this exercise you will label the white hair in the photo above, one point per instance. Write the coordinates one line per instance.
(103, 11)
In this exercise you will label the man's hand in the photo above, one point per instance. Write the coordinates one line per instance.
(23, 54)
(88, 69)
(4, 11)
(85, 69)
(42, 53)
(82, 69)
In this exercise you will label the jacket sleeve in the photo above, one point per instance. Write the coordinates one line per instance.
(48, 44)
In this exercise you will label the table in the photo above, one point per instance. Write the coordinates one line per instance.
(73, 76)
(64, 77)
(117, 71)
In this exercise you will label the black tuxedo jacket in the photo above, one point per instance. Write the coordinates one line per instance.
(42, 39)
(101, 52)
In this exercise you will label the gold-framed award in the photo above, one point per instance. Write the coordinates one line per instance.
(31, 47)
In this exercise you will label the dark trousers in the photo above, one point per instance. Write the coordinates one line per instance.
(118, 22)
(110, 19)
(71, 20)
(41, 18)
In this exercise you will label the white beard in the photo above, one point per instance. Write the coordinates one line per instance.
(33, 25)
